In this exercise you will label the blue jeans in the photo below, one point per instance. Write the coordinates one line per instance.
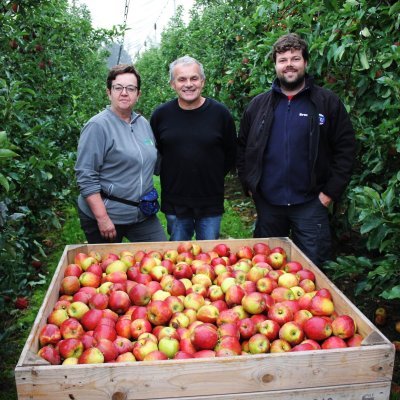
(307, 224)
(206, 228)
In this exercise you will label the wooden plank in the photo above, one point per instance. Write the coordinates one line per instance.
(174, 378)
(371, 391)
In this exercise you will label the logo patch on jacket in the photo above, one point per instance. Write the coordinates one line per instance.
(321, 119)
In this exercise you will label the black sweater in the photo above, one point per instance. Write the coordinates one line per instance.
(197, 148)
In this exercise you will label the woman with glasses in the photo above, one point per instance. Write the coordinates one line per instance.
(115, 165)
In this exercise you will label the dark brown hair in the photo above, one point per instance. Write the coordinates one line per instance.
(122, 69)
(291, 41)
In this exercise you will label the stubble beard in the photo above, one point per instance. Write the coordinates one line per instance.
(291, 85)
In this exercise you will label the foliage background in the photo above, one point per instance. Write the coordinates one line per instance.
(52, 73)
(354, 51)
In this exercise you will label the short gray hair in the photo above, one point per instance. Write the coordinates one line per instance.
(186, 60)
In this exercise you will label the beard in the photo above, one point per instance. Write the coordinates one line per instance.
(291, 85)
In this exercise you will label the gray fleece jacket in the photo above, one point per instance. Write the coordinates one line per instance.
(118, 158)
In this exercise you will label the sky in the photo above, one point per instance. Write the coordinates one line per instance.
(141, 18)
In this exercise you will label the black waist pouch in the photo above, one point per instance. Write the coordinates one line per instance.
(148, 203)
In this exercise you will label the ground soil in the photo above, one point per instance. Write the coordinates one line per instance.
(364, 302)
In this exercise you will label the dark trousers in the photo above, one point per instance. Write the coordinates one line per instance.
(306, 224)
(149, 230)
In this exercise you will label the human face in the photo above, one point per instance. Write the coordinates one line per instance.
(188, 85)
(290, 68)
(123, 102)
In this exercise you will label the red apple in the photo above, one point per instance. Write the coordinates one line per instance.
(314, 344)
(49, 334)
(280, 346)
(355, 341)
(247, 328)
(293, 267)
(123, 345)
(182, 270)
(89, 279)
(258, 344)
(229, 329)
(227, 316)
(70, 285)
(305, 274)
(261, 248)
(123, 327)
(321, 306)
(282, 293)
(91, 319)
(158, 312)
(57, 317)
(254, 303)
(103, 331)
(139, 326)
(108, 348)
(71, 328)
(140, 294)
(182, 355)
(119, 301)
(204, 354)
(204, 337)
(245, 252)
(343, 326)
(228, 343)
(266, 285)
(333, 342)
(317, 328)
(91, 355)
(301, 316)
(73, 270)
(269, 328)
(280, 313)
(292, 333)
(125, 357)
(276, 260)
(70, 348)
(222, 250)
(50, 354)
(303, 347)
(307, 285)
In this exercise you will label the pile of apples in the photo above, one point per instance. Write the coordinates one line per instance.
(186, 303)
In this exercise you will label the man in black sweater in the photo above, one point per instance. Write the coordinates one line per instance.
(196, 139)
(296, 150)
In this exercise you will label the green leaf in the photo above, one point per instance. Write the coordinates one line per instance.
(4, 182)
(6, 153)
(365, 32)
(391, 294)
(370, 224)
(363, 60)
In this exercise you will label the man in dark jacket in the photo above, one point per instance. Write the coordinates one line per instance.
(296, 150)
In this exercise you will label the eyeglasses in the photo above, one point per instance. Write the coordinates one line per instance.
(129, 88)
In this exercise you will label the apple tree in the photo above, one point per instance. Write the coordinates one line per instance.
(53, 69)
(354, 51)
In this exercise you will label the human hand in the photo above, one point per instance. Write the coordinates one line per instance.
(107, 228)
(324, 199)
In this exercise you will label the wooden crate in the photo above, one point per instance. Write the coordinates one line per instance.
(362, 373)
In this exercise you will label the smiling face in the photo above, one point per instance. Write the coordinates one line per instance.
(290, 68)
(123, 102)
(188, 84)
